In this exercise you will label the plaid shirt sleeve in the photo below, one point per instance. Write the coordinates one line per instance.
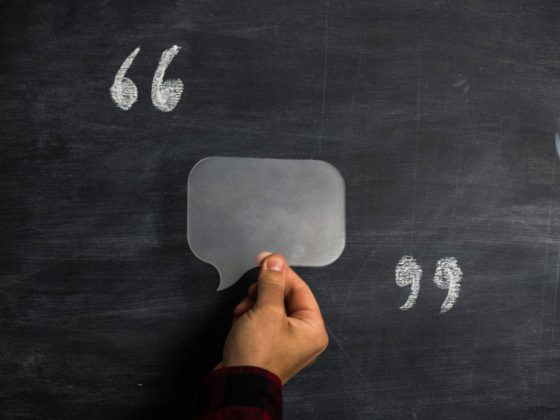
(241, 393)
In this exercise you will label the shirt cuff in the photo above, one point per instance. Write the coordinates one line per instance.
(242, 386)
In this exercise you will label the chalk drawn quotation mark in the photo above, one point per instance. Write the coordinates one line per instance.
(448, 276)
(165, 94)
(408, 273)
(123, 91)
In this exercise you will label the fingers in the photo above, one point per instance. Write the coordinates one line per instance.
(252, 291)
(247, 303)
(298, 294)
(243, 306)
(272, 282)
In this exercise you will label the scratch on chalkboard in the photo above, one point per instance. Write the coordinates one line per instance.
(322, 132)
(412, 218)
(358, 371)
(549, 221)
(557, 137)
(555, 301)
(339, 344)
(543, 286)
(557, 141)
(349, 290)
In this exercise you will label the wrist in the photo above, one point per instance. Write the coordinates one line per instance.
(249, 366)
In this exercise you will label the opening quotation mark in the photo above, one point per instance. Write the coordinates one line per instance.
(448, 276)
(123, 91)
(165, 94)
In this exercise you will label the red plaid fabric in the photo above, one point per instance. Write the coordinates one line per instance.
(241, 393)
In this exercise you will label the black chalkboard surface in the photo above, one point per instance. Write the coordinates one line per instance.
(441, 117)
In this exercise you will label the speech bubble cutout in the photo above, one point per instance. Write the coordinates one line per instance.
(239, 207)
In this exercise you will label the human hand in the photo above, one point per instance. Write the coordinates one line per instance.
(278, 326)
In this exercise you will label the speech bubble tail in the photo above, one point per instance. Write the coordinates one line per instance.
(221, 286)
(228, 277)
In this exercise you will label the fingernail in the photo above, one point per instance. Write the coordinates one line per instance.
(274, 264)
(262, 256)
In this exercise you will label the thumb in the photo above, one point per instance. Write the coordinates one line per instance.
(272, 282)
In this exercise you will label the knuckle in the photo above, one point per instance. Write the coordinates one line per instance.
(275, 311)
(251, 315)
(273, 279)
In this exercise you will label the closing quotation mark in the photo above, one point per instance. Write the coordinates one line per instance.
(165, 94)
(448, 276)
(408, 272)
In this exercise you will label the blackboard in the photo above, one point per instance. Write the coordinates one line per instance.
(441, 117)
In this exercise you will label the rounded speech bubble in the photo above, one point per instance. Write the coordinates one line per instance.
(239, 207)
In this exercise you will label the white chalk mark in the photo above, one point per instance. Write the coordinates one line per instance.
(166, 95)
(448, 276)
(557, 137)
(555, 301)
(324, 75)
(318, 144)
(123, 90)
(349, 290)
(416, 140)
(557, 141)
(350, 360)
(460, 83)
(550, 201)
(408, 273)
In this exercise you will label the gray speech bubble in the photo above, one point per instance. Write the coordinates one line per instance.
(239, 207)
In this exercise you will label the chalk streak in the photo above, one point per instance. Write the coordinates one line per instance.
(349, 291)
(555, 301)
(546, 270)
(416, 140)
(350, 360)
(549, 219)
(325, 60)
(557, 142)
